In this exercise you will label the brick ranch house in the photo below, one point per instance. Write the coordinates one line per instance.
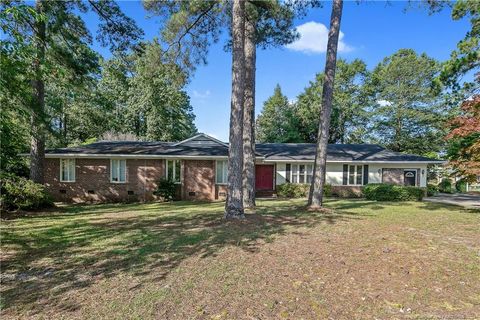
(130, 170)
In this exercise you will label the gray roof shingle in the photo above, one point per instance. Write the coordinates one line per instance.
(198, 146)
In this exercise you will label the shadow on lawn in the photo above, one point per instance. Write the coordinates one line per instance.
(70, 251)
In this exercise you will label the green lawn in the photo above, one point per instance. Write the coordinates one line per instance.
(182, 261)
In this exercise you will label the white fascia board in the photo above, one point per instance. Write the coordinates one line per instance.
(133, 156)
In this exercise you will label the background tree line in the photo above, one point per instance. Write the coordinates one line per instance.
(57, 91)
(397, 105)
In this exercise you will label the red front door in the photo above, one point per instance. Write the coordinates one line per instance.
(264, 177)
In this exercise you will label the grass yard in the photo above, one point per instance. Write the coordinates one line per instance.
(182, 261)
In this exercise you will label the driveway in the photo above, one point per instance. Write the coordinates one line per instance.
(464, 200)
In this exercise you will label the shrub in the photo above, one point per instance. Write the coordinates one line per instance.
(461, 185)
(445, 186)
(328, 190)
(390, 192)
(166, 189)
(432, 190)
(293, 190)
(299, 190)
(22, 193)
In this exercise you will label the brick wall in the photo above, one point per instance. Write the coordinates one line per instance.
(392, 176)
(220, 192)
(199, 180)
(92, 181)
(347, 191)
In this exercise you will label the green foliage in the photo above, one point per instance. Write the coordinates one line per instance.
(467, 55)
(445, 186)
(299, 190)
(432, 189)
(166, 189)
(21, 193)
(277, 122)
(293, 190)
(328, 190)
(350, 102)
(281, 121)
(407, 116)
(389, 192)
(158, 108)
(461, 185)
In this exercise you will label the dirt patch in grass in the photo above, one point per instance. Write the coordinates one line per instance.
(179, 261)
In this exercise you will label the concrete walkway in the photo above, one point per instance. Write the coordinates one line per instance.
(464, 200)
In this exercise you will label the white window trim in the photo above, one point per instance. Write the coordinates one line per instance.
(111, 171)
(224, 173)
(74, 169)
(355, 175)
(174, 161)
(297, 174)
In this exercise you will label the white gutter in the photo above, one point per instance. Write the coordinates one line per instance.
(131, 156)
(361, 162)
(153, 156)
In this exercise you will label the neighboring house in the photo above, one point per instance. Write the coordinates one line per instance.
(130, 170)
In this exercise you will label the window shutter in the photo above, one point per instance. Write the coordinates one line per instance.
(287, 169)
(365, 174)
(345, 174)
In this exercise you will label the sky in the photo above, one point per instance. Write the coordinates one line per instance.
(370, 31)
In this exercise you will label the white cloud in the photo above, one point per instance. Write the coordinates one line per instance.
(201, 95)
(314, 38)
(384, 103)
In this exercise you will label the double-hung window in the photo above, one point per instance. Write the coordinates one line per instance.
(355, 175)
(173, 170)
(118, 170)
(67, 170)
(221, 174)
(301, 173)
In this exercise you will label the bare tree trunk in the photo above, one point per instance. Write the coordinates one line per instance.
(318, 181)
(234, 203)
(249, 116)
(37, 144)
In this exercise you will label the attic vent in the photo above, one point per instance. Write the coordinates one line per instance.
(130, 192)
(91, 192)
(63, 191)
(191, 194)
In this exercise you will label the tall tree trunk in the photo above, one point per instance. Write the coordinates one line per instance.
(37, 144)
(249, 116)
(234, 203)
(318, 181)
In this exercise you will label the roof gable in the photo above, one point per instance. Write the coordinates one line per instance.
(202, 140)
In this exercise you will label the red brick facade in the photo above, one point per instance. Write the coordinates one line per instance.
(92, 181)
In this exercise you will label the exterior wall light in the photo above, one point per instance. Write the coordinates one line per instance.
(423, 172)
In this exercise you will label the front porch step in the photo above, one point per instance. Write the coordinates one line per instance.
(265, 194)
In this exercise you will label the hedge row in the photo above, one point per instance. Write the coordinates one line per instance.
(390, 192)
(374, 191)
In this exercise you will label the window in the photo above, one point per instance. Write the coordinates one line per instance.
(118, 170)
(355, 175)
(301, 173)
(173, 170)
(221, 175)
(67, 170)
